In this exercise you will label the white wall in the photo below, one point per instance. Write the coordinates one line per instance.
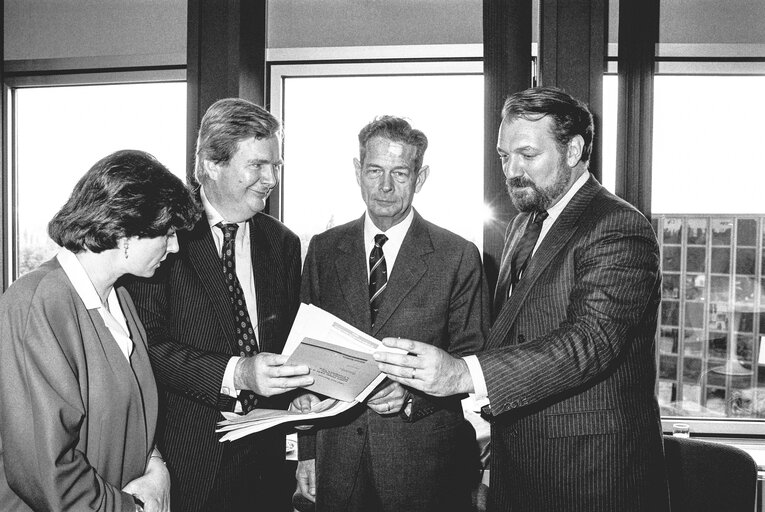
(150, 30)
(320, 23)
(154, 31)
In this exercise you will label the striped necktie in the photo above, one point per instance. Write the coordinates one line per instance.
(522, 253)
(378, 275)
(245, 334)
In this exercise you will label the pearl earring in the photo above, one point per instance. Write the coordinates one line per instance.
(127, 244)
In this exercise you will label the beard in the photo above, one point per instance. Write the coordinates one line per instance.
(528, 197)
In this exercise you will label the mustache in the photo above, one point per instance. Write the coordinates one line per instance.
(519, 182)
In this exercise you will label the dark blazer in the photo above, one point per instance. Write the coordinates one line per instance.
(570, 366)
(190, 324)
(436, 293)
(77, 420)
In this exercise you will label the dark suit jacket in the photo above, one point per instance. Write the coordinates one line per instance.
(570, 366)
(188, 317)
(77, 420)
(436, 293)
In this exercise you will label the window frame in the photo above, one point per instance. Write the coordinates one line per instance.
(53, 73)
(361, 61)
(706, 60)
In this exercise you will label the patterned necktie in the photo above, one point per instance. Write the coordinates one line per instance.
(378, 275)
(245, 335)
(525, 247)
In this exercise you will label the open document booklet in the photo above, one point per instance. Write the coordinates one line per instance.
(341, 363)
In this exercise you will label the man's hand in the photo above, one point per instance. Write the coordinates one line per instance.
(426, 368)
(306, 478)
(266, 375)
(388, 399)
(153, 488)
(304, 402)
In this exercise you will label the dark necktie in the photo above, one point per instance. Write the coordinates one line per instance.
(378, 275)
(522, 253)
(245, 335)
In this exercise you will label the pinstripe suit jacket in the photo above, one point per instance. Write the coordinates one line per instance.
(570, 366)
(190, 325)
(436, 293)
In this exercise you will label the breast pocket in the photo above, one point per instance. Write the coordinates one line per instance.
(597, 422)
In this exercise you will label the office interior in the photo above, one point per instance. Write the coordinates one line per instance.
(675, 87)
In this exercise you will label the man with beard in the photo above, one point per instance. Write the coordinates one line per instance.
(569, 366)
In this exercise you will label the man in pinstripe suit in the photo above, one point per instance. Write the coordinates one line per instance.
(569, 365)
(192, 321)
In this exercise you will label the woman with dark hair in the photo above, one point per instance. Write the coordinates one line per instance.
(78, 401)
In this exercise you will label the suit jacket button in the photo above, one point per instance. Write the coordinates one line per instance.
(521, 338)
(360, 431)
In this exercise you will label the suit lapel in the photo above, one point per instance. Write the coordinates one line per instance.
(407, 272)
(269, 277)
(204, 259)
(554, 242)
(351, 273)
(514, 236)
(141, 366)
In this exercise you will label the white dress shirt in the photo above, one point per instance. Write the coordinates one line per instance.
(474, 367)
(246, 276)
(395, 236)
(113, 317)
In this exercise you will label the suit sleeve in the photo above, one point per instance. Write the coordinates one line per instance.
(186, 370)
(468, 321)
(307, 438)
(616, 275)
(42, 410)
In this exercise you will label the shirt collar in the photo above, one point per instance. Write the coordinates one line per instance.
(395, 233)
(554, 211)
(213, 215)
(80, 280)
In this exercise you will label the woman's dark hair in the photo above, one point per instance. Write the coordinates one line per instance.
(128, 193)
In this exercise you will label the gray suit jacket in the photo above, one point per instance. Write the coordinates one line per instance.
(570, 366)
(436, 293)
(77, 419)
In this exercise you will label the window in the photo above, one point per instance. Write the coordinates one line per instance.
(60, 131)
(708, 210)
(325, 106)
(608, 135)
(704, 200)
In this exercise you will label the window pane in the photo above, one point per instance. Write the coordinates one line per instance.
(610, 102)
(698, 168)
(706, 182)
(62, 131)
(322, 119)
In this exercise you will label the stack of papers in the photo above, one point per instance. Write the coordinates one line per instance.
(341, 363)
(237, 426)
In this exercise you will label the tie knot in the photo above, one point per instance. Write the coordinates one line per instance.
(229, 230)
(380, 240)
(539, 217)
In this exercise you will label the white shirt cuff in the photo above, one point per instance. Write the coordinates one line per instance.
(227, 387)
(481, 395)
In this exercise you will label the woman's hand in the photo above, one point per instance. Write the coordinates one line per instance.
(153, 488)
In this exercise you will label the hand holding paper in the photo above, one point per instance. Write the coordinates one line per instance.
(341, 365)
(338, 354)
(267, 374)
